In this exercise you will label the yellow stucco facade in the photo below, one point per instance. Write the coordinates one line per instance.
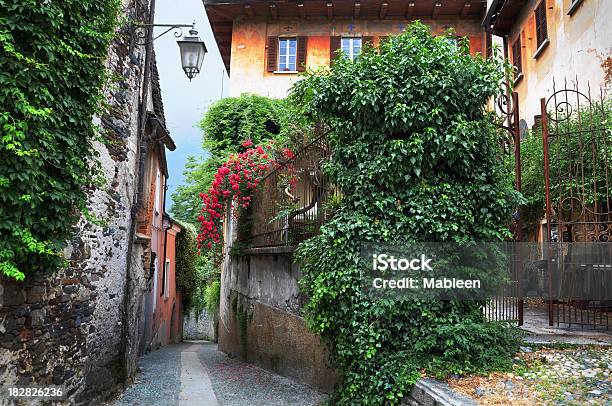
(249, 46)
(579, 47)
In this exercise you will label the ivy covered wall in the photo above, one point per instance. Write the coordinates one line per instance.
(75, 323)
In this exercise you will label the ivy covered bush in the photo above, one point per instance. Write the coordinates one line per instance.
(227, 124)
(417, 158)
(52, 69)
(195, 273)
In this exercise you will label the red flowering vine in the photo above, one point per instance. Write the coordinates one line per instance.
(235, 181)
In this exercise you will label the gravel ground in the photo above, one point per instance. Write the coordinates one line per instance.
(547, 376)
(235, 383)
(240, 384)
(158, 381)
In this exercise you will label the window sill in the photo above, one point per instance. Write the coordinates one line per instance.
(286, 72)
(574, 7)
(518, 78)
(541, 48)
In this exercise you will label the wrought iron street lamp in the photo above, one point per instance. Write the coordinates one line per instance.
(192, 53)
(192, 48)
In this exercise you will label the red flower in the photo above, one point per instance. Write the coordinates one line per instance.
(239, 175)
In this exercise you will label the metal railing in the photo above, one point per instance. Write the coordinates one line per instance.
(292, 201)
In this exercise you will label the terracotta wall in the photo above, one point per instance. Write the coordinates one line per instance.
(167, 318)
(249, 43)
(580, 44)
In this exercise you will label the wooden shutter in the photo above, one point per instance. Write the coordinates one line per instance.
(540, 20)
(272, 53)
(516, 55)
(302, 46)
(334, 44)
(367, 39)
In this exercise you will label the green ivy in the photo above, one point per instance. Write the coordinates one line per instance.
(195, 273)
(227, 123)
(417, 158)
(52, 68)
(212, 295)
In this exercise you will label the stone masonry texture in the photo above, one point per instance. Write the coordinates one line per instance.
(79, 327)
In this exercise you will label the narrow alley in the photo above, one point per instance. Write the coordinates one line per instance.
(195, 373)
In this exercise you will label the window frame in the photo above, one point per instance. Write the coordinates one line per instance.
(573, 6)
(165, 291)
(155, 276)
(454, 41)
(351, 54)
(288, 56)
(541, 11)
(517, 57)
(157, 195)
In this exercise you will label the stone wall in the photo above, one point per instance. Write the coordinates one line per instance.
(260, 319)
(79, 327)
(198, 326)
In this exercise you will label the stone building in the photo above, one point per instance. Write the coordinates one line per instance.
(554, 39)
(83, 327)
(265, 44)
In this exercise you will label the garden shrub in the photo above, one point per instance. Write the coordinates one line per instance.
(212, 296)
(52, 69)
(194, 273)
(226, 125)
(417, 158)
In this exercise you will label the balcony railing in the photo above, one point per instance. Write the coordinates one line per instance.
(292, 201)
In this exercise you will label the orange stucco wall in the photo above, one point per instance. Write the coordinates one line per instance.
(167, 317)
(249, 42)
(164, 314)
(579, 45)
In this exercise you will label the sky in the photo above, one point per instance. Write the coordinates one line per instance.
(186, 102)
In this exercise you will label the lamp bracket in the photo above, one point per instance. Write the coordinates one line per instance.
(140, 34)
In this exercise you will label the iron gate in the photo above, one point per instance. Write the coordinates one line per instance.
(577, 144)
(509, 305)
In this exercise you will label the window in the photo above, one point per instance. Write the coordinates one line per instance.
(165, 290)
(516, 57)
(155, 286)
(540, 19)
(453, 41)
(287, 54)
(351, 47)
(156, 204)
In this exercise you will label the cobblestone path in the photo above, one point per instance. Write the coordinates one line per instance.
(197, 374)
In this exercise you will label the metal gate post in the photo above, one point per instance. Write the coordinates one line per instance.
(548, 209)
(517, 174)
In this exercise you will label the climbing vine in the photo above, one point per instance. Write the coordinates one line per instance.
(226, 125)
(417, 158)
(52, 57)
(234, 183)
